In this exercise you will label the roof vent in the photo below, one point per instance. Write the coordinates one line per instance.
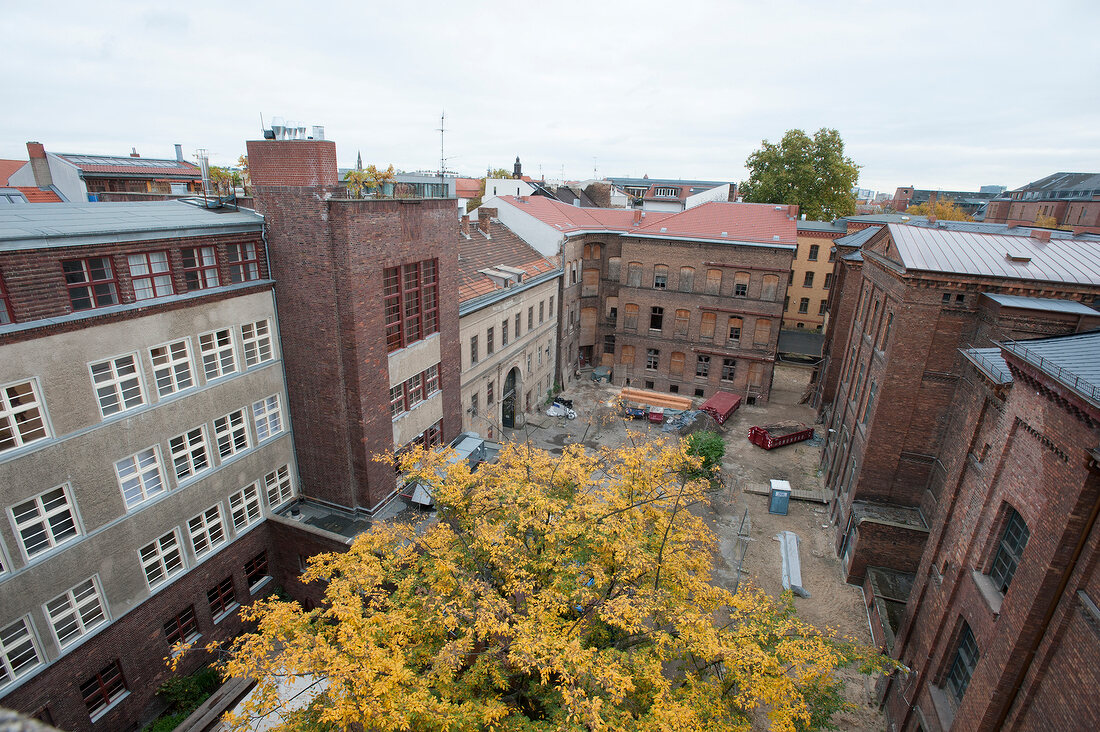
(775, 237)
(1018, 256)
(664, 229)
(725, 233)
(778, 208)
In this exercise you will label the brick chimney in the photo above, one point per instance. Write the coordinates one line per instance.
(637, 217)
(292, 162)
(483, 217)
(40, 164)
(464, 227)
(1042, 235)
(134, 153)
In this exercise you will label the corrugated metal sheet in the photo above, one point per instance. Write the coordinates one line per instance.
(990, 361)
(1045, 304)
(964, 252)
(1072, 360)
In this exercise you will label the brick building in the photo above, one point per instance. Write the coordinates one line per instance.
(920, 294)
(508, 327)
(1071, 199)
(688, 303)
(143, 441)
(368, 288)
(1002, 627)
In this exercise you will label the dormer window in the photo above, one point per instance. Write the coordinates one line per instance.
(665, 192)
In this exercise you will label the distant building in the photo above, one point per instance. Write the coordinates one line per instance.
(79, 177)
(805, 303)
(970, 202)
(1071, 199)
(507, 325)
(669, 195)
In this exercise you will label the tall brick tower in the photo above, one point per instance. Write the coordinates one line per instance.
(368, 311)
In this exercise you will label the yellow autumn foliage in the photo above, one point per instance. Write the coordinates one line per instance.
(566, 592)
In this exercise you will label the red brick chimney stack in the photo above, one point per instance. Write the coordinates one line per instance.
(40, 165)
(292, 162)
(637, 217)
(465, 225)
(484, 215)
(1042, 235)
(134, 153)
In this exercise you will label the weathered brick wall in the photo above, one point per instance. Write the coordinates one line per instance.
(884, 544)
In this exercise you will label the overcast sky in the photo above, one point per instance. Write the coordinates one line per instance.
(937, 95)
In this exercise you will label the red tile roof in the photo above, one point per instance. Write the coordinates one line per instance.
(137, 167)
(504, 247)
(37, 195)
(7, 167)
(468, 187)
(569, 219)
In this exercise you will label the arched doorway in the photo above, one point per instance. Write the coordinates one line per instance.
(508, 400)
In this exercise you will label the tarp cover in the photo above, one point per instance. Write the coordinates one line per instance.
(721, 406)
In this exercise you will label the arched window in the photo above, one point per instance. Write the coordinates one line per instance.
(706, 326)
(634, 274)
(595, 251)
(741, 284)
(630, 316)
(763, 333)
(587, 252)
(613, 265)
(1009, 551)
(770, 288)
(714, 281)
(660, 276)
(681, 326)
(687, 279)
(735, 331)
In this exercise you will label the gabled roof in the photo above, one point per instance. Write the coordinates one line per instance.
(1045, 304)
(502, 248)
(756, 223)
(7, 168)
(468, 187)
(857, 239)
(1072, 261)
(1064, 181)
(125, 165)
(33, 194)
(572, 219)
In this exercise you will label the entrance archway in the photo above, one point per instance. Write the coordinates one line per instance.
(508, 400)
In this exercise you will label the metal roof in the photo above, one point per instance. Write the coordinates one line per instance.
(990, 361)
(73, 224)
(858, 238)
(1071, 261)
(1072, 360)
(821, 226)
(1046, 304)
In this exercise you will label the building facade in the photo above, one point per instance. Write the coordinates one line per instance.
(144, 438)
(806, 302)
(1072, 200)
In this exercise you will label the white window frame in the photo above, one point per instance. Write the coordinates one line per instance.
(207, 531)
(161, 549)
(144, 472)
(83, 606)
(218, 353)
(258, 343)
(10, 421)
(268, 416)
(245, 508)
(170, 369)
(278, 483)
(115, 385)
(229, 430)
(47, 519)
(153, 271)
(191, 452)
(205, 269)
(9, 642)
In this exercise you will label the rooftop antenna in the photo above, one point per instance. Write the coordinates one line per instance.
(594, 175)
(442, 160)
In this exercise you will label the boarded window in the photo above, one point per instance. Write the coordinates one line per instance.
(714, 281)
(741, 284)
(770, 288)
(595, 251)
(634, 274)
(626, 356)
(756, 375)
(706, 326)
(590, 282)
(613, 265)
(682, 318)
(676, 365)
(687, 279)
(630, 316)
(587, 251)
(763, 333)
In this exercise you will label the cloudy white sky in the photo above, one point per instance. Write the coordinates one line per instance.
(939, 95)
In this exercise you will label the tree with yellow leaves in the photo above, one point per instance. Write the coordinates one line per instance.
(944, 209)
(566, 592)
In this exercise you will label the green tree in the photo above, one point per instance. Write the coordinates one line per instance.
(246, 174)
(566, 592)
(812, 173)
(499, 173)
(378, 179)
(710, 448)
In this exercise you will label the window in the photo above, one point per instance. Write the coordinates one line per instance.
(1010, 551)
(656, 318)
(413, 391)
(490, 392)
(182, 628)
(676, 365)
(962, 666)
(207, 530)
(630, 317)
(541, 309)
(680, 325)
(870, 402)
(278, 486)
(652, 357)
(221, 598)
(150, 275)
(76, 612)
(814, 248)
(809, 281)
(172, 367)
(756, 376)
(22, 420)
(6, 314)
(702, 366)
(162, 559)
(634, 274)
(665, 191)
(473, 349)
(706, 326)
(770, 288)
(735, 331)
(741, 284)
(822, 306)
(804, 305)
(244, 507)
(729, 368)
(117, 385)
(504, 333)
(489, 341)
(243, 263)
(45, 521)
(687, 279)
(200, 268)
(517, 326)
(551, 305)
(609, 343)
(786, 303)
(18, 651)
(218, 358)
(763, 334)
(189, 453)
(885, 340)
(231, 433)
(431, 380)
(411, 298)
(268, 417)
(139, 476)
(91, 283)
(714, 281)
(828, 280)
(626, 356)
(255, 569)
(832, 254)
(530, 318)
(660, 277)
(257, 342)
(103, 689)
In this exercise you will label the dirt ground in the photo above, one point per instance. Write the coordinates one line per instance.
(832, 604)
